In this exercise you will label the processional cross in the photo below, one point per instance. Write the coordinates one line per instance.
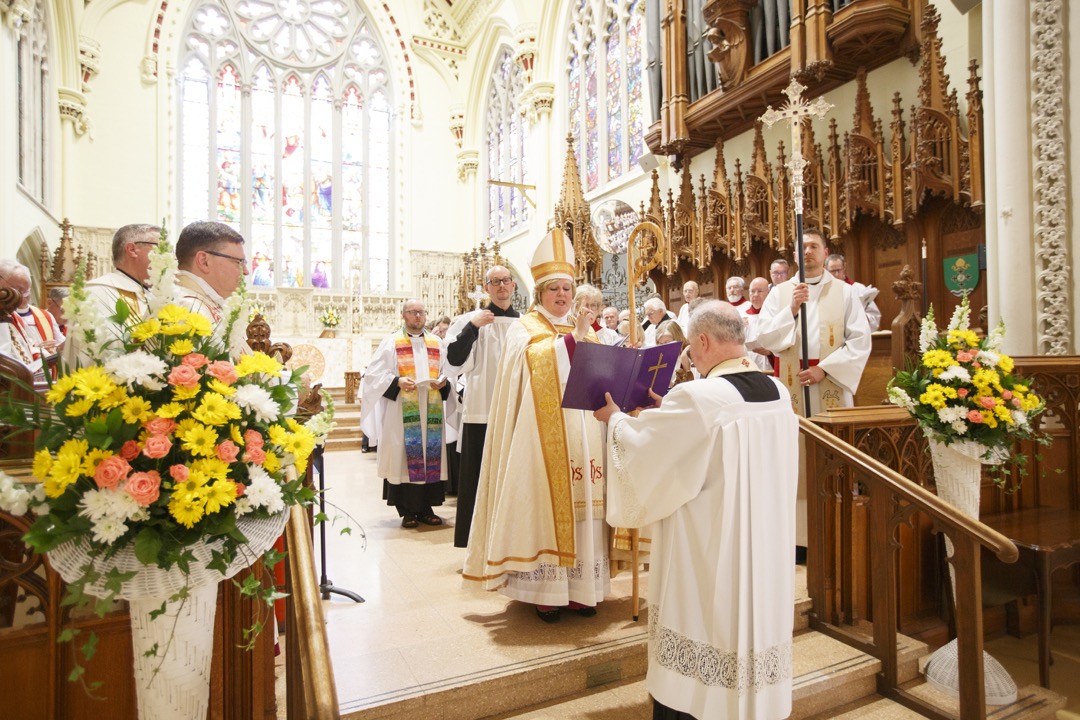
(476, 296)
(795, 111)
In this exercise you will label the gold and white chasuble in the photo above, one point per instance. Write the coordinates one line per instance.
(538, 532)
(722, 496)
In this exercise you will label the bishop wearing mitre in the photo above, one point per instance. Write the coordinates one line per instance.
(538, 533)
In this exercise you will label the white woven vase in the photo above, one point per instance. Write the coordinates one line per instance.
(184, 634)
(959, 478)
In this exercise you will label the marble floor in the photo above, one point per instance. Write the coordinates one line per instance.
(420, 631)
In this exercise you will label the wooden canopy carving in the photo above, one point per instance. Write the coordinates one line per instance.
(858, 176)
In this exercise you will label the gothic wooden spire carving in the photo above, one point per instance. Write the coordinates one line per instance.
(864, 184)
(573, 216)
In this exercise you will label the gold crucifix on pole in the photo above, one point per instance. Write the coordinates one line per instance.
(520, 186)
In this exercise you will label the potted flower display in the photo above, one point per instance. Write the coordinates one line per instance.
(972, 408)
(165, 463)
(329, 320)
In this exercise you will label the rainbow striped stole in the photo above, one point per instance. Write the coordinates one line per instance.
(424, 459)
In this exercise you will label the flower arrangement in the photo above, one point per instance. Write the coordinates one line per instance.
(329, 318)
(162, 440)
(963, 392)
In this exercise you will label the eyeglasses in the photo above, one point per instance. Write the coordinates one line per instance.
(240, 262)
(145, 242)
(416, 312)
(500, 281)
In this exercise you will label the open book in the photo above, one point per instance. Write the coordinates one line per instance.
(627, 373)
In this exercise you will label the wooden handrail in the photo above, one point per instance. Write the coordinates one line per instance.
(927, 501)
(307, 656)
(888, 490)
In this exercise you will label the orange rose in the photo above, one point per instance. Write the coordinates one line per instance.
(227, 451)
(144, 487)
(111, 471)
(223, 370)
(194, 360)
(129, 450)
(157, 446)
(160, 426)
(184, 376)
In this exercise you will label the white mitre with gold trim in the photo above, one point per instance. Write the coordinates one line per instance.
(553, 258)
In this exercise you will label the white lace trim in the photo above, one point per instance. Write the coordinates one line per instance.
(546, 572)
(632, 508)
(714, 667)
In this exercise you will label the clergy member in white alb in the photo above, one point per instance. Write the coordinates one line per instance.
(538, 532)
(211, 261)
(722, 584)
(402, 412)
(131, 247)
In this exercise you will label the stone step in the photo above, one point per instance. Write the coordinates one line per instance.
(1032, 703)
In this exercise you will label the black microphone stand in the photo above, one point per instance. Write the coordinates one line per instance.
(325, 586)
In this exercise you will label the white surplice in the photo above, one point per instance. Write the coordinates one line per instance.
(513, 544)
(380, 417)
(721, 582)
(479, 370)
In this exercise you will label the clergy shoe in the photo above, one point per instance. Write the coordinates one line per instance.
(549, 616)
(800, 555)
(586, 611)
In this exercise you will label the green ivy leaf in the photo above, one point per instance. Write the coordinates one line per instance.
(89, 647)
(148, 546)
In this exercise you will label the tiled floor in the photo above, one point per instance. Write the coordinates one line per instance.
(420, 630)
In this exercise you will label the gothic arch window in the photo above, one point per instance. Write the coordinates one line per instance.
(507, 159)
(289, 105)
(34, 109)
(605, 101)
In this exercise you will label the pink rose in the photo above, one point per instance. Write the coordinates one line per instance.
(157, 446)
(178, 473)
(975, 416)
(976, 365)
(252, 438)
(962, 392)
(223, 370)
(1006, 395)
(1016, 403)
(194, 360)
(143, 487)
(255, 455)
(240, 488)
(227, 451)
(184, 376)
(160, 426)
(129, 450)
(964, 356)
(111, 471)
(987, 402)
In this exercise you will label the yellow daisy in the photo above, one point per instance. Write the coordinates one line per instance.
(200, 440)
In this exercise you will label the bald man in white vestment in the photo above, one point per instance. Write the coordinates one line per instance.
(722, 583)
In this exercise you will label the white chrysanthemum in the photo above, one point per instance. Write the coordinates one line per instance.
(951, 414)
(235, 332)
(39, 506)
(14, 498)
(1020, 418)
(996, 337)
(988, 359)
(108, 530)
(262, 491)
(956, 372)
(257, 400)
(960, 427)
(138, 368)
(899, 397)
(101, 505)
(85, 322)
(927, 331)
(242, 507)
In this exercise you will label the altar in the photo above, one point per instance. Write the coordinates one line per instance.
(329, 359)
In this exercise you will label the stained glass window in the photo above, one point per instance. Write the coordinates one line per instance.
(33, 102)
(507, 133)
(605, 86)
(302, 163)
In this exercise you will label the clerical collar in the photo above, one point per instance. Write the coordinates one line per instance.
(815, 281)
(419, 334)
(25, 313)
(555, 320)
(204, 286)
(132, 278)
(732, 365)
(499, 312)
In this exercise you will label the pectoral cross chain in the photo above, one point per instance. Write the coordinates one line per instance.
(660, 364)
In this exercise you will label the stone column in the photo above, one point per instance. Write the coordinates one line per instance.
(1009, 239)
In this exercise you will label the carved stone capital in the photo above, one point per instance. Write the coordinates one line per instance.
(457, 123)
(89, 60)
(536, 100)
(17, 13)
(525, 51)
(73, 109)
(468, 162)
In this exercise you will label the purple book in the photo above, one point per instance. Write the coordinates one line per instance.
(626, 373)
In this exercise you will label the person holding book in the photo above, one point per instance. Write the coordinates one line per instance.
(722, 494)
(538, 533)
(402, 413)
(474, 347)
(671, 331)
